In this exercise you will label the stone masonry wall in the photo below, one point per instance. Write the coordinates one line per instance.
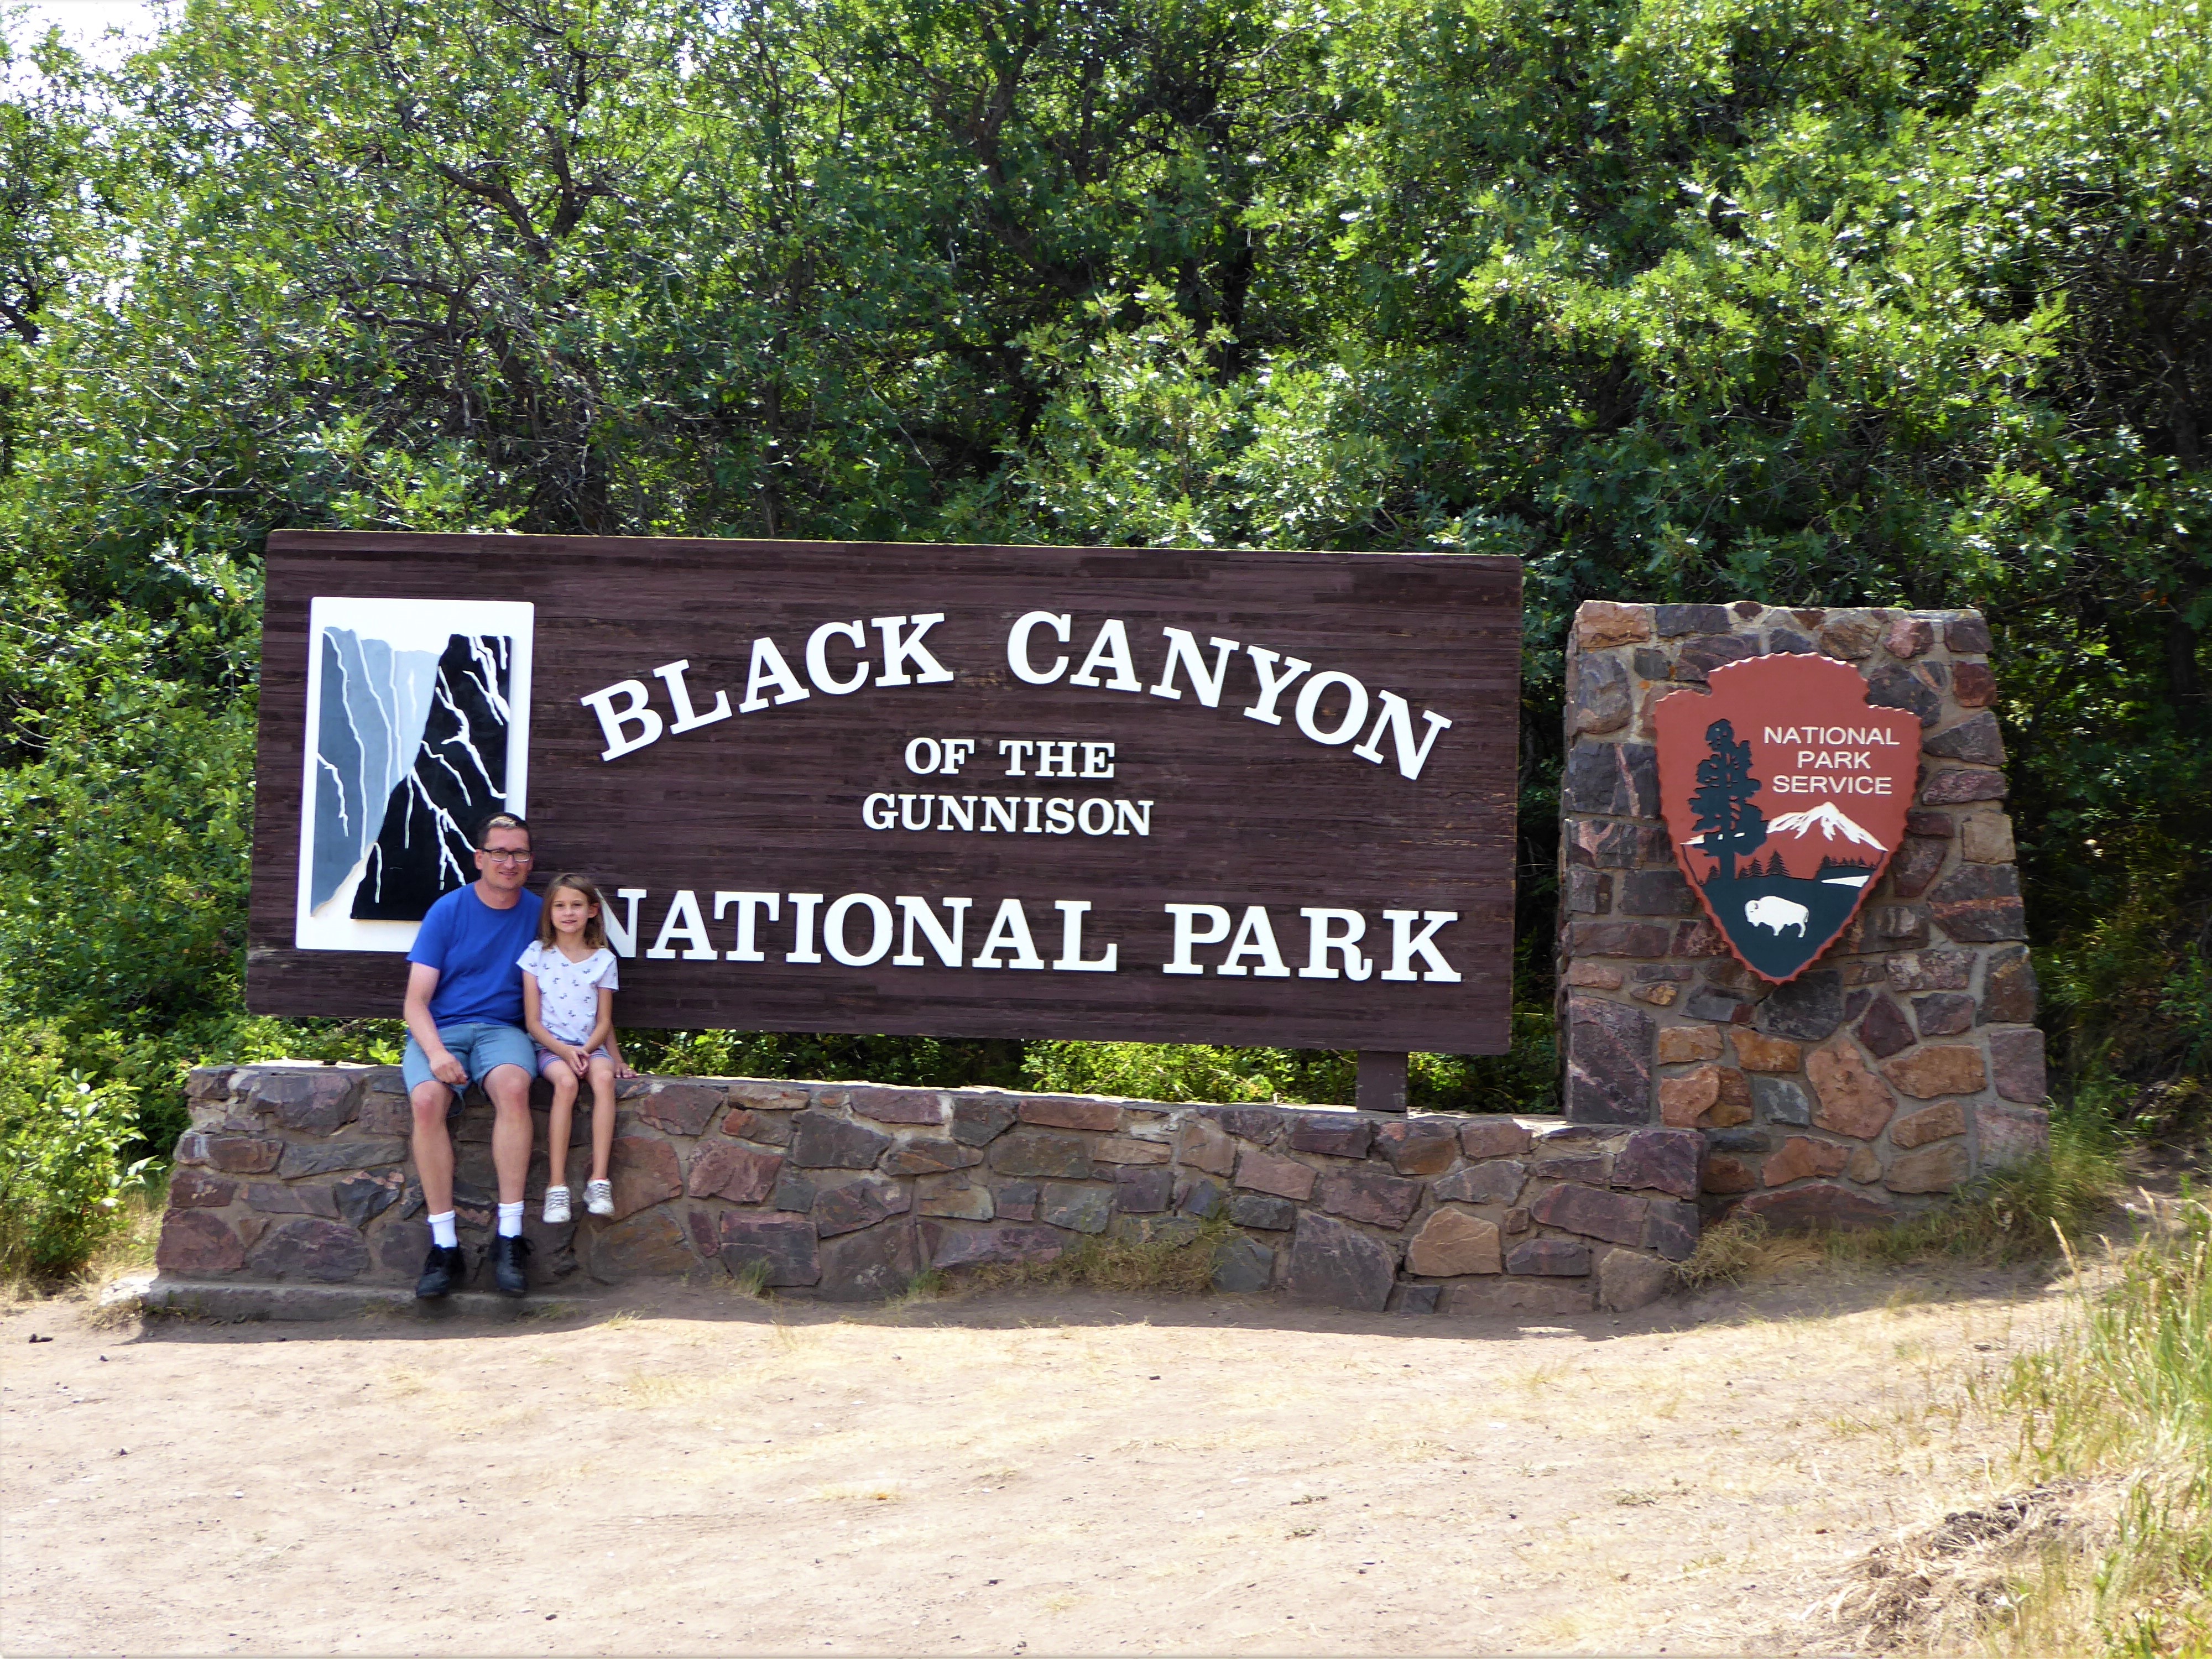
(1907, 1060)
(300, 1172)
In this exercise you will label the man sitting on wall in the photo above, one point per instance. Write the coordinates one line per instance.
(464, 1025)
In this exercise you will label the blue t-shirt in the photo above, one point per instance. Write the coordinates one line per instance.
(474, 948)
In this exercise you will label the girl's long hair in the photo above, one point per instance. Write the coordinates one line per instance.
(595, 932)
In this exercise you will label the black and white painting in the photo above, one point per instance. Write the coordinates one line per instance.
(418, 716)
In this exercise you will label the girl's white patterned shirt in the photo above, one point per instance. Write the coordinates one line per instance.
(569, 992)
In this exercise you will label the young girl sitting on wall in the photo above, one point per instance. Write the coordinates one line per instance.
(568, 983)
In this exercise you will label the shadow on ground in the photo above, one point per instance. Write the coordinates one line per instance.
(1811, 1291)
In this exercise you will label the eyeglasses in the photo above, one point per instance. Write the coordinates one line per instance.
(502, 856)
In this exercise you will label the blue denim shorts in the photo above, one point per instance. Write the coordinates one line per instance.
(481, 1046)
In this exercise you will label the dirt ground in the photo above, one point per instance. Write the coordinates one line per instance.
(1012, 1473)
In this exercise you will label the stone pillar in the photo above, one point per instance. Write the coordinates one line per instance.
(1903, 1062)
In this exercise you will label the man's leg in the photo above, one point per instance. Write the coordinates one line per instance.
(511, 1128)
(434, 1144)
(444, 1271)
(509, 1089)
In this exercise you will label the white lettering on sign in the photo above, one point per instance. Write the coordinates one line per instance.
(1031, 815)
(613, 720)
(945, 941)
(751, 906)
(682, 922)
(1055, 757)
(1330, 708)
(679, 698)
(817, 657)
(768, 670)
(1396, 716)
(1836, 759)
(858, 930)
(1018, 648)
(1111, 649)
(1187, 918)
(1182, 647)
(802, 951)
(836, 937)
(1256, 938)
(1273, 685)
(1355, 707)
(1406, 944)
(1335, 932)
(900, 649)
(1009, 933)
(1070, 959)
(1832, 736)
(622, 930)
(1815, 783)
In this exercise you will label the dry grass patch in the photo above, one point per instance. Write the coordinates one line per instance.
(1939, 1587)
(1100, 1263)
(2107, 1547)
(878, 1492)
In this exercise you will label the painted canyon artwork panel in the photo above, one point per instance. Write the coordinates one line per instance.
(417, 729)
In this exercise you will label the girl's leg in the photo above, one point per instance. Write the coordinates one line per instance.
(556, 1123)
(603, 1115)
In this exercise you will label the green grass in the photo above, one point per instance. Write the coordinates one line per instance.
(2123, 1395)
(2016, 1215)
(2013, 1215)
(751, 1280)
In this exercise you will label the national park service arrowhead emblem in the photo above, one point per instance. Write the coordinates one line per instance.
(1784, 795)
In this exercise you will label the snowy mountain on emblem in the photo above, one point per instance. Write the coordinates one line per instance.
(1829, 821)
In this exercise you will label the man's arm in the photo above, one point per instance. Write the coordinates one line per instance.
(421, 984)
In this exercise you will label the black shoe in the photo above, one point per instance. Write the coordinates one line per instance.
(510, 1258)
(442, 1272)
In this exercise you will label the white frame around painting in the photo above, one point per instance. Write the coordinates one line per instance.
(404, 625)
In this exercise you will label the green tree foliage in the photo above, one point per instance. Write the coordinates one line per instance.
(1797, 300)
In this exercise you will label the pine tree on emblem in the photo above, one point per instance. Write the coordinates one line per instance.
(1728, 825)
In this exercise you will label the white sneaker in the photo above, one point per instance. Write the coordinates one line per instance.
(599, 1197)
(557, 1204)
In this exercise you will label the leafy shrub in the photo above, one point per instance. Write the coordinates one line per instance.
(1172, 1071)
(917, 1062)
(2128, 990)
(1521, 1081)
(62, 1177)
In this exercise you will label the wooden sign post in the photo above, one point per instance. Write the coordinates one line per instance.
(1250, 798)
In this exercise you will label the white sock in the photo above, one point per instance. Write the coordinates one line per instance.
(510, 1219)
(441, 1231)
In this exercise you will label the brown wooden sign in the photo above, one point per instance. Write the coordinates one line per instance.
(1035, 792)
(1784, 795)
